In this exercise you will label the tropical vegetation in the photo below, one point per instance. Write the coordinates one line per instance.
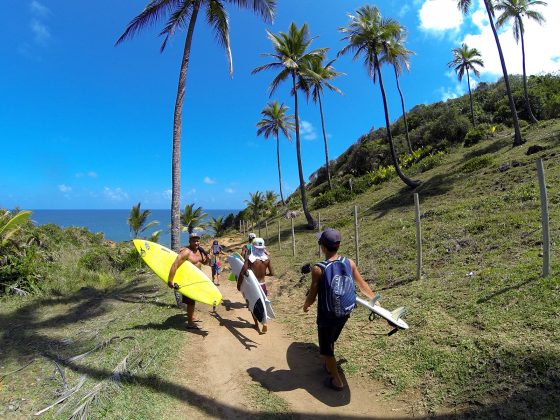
(138, 220)
(192, 218)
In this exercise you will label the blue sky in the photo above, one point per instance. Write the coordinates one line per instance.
(85, 124)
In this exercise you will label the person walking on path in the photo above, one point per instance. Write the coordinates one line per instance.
(196, 256)
(215, 263)
(246, 250)
(259, 262)
(333, 281)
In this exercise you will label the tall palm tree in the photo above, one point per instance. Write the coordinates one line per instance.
(270, 198)
(192, 218)
(516, 10)
(315, 78)
(398, 56)
(369, 34)
(256, 205)
(137, 220)
(275, 120)
(290, 57)
(183, 14)
(464, 6)
(217, 225)
(465, 59)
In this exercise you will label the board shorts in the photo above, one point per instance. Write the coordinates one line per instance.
(182, 299)
(216, 269)
(264, 288)
(328, 331)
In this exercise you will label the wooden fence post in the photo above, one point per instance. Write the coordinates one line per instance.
(544, 218)
(293, 239)
(259, 224)
(356, 240)
(266, 230)
(350, 182)
(319, 226)
(418, 237)
(279, 237)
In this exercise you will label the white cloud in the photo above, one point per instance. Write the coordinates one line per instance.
(39, 9)
(209, 181)
(167, 194)
(64, 188)
(307, 131)
(40, 31)
(403, 10)
(192, 191)
(440, 15)
(115, 194)
(229, 190)
(542, 53)
(90, 174)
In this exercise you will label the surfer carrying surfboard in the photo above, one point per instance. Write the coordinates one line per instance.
(196, 256)
(333, 281)
(258, 261)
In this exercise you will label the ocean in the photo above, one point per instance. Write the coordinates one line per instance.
(113, 223)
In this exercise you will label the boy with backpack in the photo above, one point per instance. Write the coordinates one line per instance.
(333, 281)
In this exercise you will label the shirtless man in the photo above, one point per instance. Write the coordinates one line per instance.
(259, 262)
(194, 254)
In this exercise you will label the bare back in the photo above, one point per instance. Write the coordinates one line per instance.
(259, 269)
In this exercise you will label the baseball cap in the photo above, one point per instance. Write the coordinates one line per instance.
(329, 237)
(194, 235)
(258, 243)
(252, 236)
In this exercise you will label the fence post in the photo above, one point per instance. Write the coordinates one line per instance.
(259, 224)
(418, 237)
(266, 229)
(350, 182)
(356, 240)
(240, 226)
(279, 238)
(319, 226)
(544, 218)
(293, 238)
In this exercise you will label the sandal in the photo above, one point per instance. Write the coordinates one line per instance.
(193, 327)
(330, 384)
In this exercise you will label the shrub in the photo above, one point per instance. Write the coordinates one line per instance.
(476, 134)
(336, 195)
(477, 163)
(98, 258)
(429, 162)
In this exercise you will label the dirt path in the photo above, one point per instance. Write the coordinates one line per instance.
(229, 362)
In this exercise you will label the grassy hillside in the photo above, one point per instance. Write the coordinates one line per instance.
(484, 324)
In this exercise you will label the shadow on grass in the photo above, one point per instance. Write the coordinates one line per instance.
(505, 290)
(175, 322)
(493, 147)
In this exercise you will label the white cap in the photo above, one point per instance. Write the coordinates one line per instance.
(252, 236)
(258, 243)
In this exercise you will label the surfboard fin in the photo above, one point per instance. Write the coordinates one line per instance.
(375, 299)
(397, 313)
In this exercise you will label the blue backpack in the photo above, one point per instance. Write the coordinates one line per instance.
(337, 293)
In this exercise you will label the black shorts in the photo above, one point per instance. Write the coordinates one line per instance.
(179, 298)
(328, 331)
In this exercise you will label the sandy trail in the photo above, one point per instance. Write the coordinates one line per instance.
(228, 357)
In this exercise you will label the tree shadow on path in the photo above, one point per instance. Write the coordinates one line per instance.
(306, 372)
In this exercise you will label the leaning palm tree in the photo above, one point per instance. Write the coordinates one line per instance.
(315, 78)
(192, 218)
(464, 60)
(398, 56)
(516, 10)
(182, 14)
(369, 34)
(464, 6)
(290, 56)
(275, 120)
(137, 220)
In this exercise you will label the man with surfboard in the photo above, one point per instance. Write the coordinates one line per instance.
(196, 256)
(333, 281)
(259, 263)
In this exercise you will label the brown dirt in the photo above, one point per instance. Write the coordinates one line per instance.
(229, 358)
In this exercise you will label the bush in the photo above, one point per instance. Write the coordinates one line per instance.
(476, 134)
(477, 163)
(98, 258)
(336, 195)
(429, 162)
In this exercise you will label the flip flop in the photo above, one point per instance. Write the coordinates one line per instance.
(193, 327)
(329, 384)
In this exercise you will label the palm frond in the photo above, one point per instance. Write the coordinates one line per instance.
(217, 17)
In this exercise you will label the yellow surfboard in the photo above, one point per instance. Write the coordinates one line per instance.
(192, 282)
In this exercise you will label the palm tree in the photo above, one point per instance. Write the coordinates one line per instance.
(10, 224)
(290, 57)
(137, 220)
(516, 10)
(217, 225)
(256, 204)
(270, 198)
(315, 78)
(368, 33)
(398, 56)
(464, 6)
(183, 14)
(192, 218)
(275, 120)
(465, 59)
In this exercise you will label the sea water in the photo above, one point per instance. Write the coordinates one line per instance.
(114, 223)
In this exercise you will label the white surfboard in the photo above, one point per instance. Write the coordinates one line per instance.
(251, 291)
(393, 317)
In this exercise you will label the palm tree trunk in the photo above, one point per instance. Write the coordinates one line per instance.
(177, 126)
(407, 181)
(403, 111)
(470, 97)
(527, 103)
(518, 140)
(279, 171)
(310, 221)
(326, 144)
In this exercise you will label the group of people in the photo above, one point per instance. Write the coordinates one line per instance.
(333, 283)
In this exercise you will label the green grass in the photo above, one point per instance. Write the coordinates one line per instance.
(485, 343)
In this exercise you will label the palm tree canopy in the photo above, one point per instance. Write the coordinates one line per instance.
(217, 225)
(178, 13)
(192, 218)
(517, 10)
(369, 34)
(9, 224)
(397, 54)
(290, 53)
(465, 58)
(275, 120)
(137, 220)
(316, 76)
(256, 204)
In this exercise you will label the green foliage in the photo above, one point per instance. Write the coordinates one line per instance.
(98, 259)
(336, 195)
(477, 134)
(429, 162)
(477, 163)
